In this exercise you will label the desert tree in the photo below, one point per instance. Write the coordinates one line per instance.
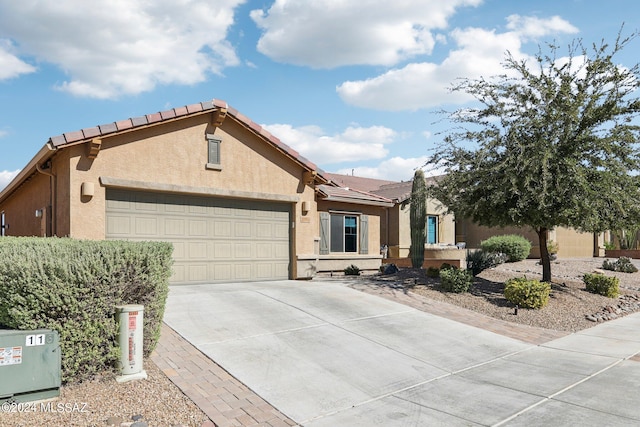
(550, 142)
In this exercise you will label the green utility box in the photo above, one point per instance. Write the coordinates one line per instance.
(29, 365)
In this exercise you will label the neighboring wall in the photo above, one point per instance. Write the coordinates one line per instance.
(571, 243)
(39, 206)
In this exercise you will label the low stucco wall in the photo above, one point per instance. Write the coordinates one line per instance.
(428, 262)
(617, 253)
(308, 267)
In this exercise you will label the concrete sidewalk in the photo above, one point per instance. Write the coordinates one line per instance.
(327, 355)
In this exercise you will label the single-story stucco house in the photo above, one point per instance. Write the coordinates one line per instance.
(236, 202)
(396, 227)
(444, 230)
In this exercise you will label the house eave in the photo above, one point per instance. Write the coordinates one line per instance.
(45, 153)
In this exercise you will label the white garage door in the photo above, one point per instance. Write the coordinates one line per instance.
(214, 239)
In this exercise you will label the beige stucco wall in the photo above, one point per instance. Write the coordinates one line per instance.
(39, 192)
(571, 243)
(309, 264)
(20, 208)
(400, 228)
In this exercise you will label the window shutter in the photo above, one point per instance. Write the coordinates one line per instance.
(325, 229)
(364, 234)
(214, 150)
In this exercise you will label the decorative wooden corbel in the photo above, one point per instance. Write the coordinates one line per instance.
(309, 177)
(93, 148)
(218, 116)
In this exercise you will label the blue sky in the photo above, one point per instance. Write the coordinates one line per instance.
(352, 85)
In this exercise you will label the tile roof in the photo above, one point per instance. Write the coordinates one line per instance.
(357, 182)
(347, 195)
(67, 138)
(400, 191)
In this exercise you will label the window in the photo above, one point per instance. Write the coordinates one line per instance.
(213, 160)
(343, 233)
(2, 224)
(432, 229)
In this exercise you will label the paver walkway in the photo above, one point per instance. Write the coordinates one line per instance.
(225, 400)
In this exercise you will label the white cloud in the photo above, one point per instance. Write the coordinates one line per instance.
(479, 53)
(393, 169)
(10, 65)
(6, 177)
(534, 27)
(114, 47)
(353, 143)
(323, 34)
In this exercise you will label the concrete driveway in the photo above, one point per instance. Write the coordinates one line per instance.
(328, 355)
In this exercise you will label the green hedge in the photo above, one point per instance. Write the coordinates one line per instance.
(601, 284)
(73, 286)
(455, 280)
(527, 293)
(515, 247)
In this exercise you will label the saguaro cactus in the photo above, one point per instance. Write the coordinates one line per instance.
(418, 218)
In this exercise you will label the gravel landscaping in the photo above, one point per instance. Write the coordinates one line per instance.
(570, 308)
(154, 402)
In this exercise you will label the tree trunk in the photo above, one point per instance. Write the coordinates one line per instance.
(545, 260)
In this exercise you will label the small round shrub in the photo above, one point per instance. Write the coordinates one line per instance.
(446, 266)
(515, 247)
(352, 270)
(433, 272)
(479, 260)
(455, 280)
(601, 284)
(527, 293)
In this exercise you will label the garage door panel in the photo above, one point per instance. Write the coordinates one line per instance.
(281, 231)
(242, 229)
(214, 239)
(242, 251)
(242, 213)
(197, 272)
(119, 225)
(146, 226)
(174, 227)
(222, 272)
(222, 229)
(145, 203)
(198, 228)
(198, 250)
(179, 251)
(178, 273)
(242, 271)
(281, 251)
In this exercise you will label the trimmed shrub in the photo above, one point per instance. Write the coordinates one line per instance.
(455, 280)
(601, 284)
(623, 265)
(433, 272)
(527, 293)
(515, 247)
(72, 286)
(479, 260)
(352, 270)
(446, 266)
